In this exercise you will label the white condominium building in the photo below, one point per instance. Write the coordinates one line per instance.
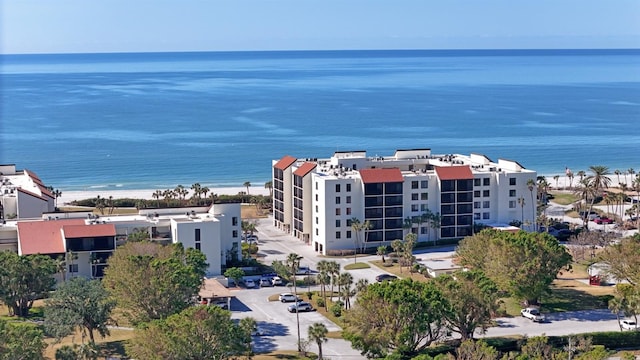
(433, 196)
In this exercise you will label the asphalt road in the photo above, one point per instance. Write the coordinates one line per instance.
(280, 325)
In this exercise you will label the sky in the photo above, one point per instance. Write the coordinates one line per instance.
(86, 26)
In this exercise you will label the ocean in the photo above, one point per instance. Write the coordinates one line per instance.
(155, 120)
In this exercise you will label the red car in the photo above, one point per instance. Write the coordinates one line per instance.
(602, 220)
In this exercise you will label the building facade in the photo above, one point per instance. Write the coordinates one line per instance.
(433, 196)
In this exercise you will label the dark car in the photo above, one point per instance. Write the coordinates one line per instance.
(385, 277)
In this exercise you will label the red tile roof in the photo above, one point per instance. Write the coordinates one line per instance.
(85, 231)
(305, 169)
(43, 237)
(373, 176)
(454, 172)
(285, 162)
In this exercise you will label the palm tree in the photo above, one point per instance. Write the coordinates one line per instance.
(197, 190)
(345, 281)
(521, 203)
(57, 193)
(293, 263)
(247, 184)
(333, 269)
(181, 192)
(318, 333)
(356, 226)
(556, 178)
(323, 280)
(407, 224)
(61, 267)
(269, 185)
(362, 285)
(382, 251)
(631, 172)
(581, 174)
(585, 191)
(570, 176)
(531, 184)
(436, 221)
(204, 190)
(156, 195)
(617, 172)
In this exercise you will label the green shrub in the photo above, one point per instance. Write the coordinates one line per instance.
(336, 309)
(320, 302)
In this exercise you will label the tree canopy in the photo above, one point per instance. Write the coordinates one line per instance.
(472, 301)
(24, 279)
(151, 281)
(522, 264)
(199, 332)
(79, 303)
(21, 342)
(624, 259)
(402, 316)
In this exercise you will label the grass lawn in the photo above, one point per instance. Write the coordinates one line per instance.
(394, 269)
(356, 266)
(564, 198)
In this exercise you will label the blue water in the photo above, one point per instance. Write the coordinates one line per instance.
(155, 120)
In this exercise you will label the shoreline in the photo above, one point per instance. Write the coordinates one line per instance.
(147, 194)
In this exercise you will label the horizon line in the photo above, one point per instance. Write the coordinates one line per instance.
(630, 49)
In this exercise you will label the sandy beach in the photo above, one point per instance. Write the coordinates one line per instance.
(69, 196)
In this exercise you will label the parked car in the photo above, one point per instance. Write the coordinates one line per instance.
(588, 214)
(249, 284)
(250, 238)
(303, 270)
(287, 297)
(628, 324)
(259, 331)
(221, 303)
(385, 277)
(264, 282)
(603, 220)
(300, 306)
(277, 281)
(532, 314)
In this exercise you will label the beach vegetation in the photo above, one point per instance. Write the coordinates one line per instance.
(151, 281)
(23, 279)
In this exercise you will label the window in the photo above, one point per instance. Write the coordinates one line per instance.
(476, 182)
(349, 222)
(476, 216)
(197, 234)
(338, 223)
(486, 181)
(234, 233)
(512, 181)
(414, 196)
(485, 216)
(73, 268)
(424, 207)
(485, 193)
(316, 220)
(424, 196)
(348, 199)
(316, 186)
(414, 184)
(486, 204)
(234, 221)
(316, 208)
(476, 204)
(476, 193)
(316, 197)
(198, 246)
(338, 211)
(317, 232)
(337, 199)
(512, 193)
(414, 207)
(349, 185)
(337, 187)
(512, 204)
(338, 234)
(424, 184)
(423, 230)
(348, 234)
(348, 211)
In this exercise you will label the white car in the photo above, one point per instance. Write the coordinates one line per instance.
(287, 297)
(249, 284)
(532, 314)
(628, 324)
(300, 306)
(277, 281)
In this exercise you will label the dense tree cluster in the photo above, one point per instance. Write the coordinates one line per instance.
(151, 281)
(522, 265)
(23, 279)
